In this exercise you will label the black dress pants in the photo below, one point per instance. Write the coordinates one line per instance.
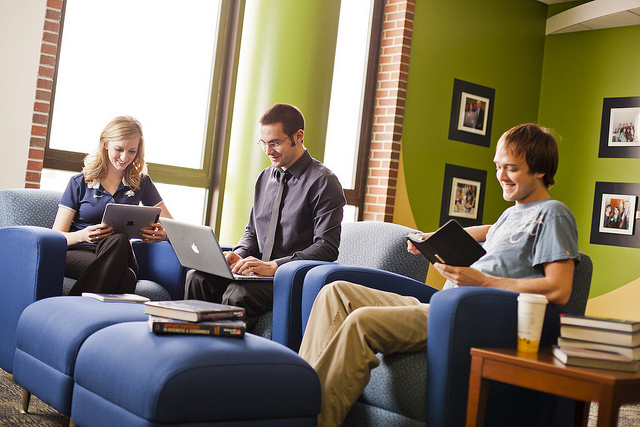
(110, 267)
(256, 296)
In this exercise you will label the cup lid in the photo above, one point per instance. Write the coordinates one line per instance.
(533, 298)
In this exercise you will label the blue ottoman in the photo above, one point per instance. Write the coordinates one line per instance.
(48, 336)
(128, 376)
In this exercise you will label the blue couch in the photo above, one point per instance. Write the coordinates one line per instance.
(33, 262)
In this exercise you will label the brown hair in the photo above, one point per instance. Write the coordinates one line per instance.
(288, 115)
(538, 146)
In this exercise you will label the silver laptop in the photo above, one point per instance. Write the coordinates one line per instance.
(129, 219)
(197, 247)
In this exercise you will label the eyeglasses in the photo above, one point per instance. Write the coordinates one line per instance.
(273, 144)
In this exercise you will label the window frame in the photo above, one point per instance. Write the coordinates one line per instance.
(356, 196)
(222, 87)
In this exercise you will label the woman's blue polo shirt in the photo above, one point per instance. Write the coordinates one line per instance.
(88, 201)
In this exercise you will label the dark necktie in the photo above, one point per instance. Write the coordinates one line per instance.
(275, 217)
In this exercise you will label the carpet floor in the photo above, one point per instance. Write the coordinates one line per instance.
(42, 415)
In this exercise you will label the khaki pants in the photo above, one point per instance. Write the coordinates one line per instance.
(348, 325)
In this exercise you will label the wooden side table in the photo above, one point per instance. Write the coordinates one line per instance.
(543, 372)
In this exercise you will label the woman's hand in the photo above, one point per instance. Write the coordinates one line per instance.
(95, 233)
(92, 234)
(153, 233)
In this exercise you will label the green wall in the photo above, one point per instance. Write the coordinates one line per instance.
(494, 43)
(286, 55)
(558, 81)
(580, 70)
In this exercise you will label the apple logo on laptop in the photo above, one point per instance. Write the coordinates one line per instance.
(130, 223)
(194, 248)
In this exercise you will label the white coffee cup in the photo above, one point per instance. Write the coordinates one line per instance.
(531, 309)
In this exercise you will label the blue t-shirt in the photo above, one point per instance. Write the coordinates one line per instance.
(527, 236)
(88, 201)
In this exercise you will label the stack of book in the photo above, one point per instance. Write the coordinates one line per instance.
(599, 343)
(196, 318)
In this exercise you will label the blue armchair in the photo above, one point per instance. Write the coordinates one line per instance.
(33, 262)
(431, 388)
(378, 246)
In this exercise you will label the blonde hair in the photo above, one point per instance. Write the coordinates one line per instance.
(96, 164)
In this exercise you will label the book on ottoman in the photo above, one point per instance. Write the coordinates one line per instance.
(193, 310)
(220, 328)
(116, 297)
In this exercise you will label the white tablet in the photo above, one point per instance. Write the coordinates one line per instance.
(129, 219)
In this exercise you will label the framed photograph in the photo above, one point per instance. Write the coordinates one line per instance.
(619, 130)
(615, 212)
(464, 198)
(471, 113)
(463, 195)
(472, 116)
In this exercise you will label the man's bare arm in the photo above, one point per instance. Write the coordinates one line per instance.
(478, 232)
(555, 285)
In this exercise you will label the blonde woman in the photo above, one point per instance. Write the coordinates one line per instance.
(115, 172)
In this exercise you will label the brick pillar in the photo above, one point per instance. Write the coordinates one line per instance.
(389, 111)
(44, 91)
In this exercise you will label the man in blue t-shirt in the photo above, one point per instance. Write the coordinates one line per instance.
(531, 248)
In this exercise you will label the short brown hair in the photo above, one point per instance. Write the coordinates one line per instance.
(538, 146)
(288, 115)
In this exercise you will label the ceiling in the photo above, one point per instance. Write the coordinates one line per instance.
(594, 15)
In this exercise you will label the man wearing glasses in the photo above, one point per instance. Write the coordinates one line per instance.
(296, 214)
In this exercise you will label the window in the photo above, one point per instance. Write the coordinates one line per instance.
(156, 62)
(171, 65)
(352, 97)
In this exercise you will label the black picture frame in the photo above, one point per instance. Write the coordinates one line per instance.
(619, 133)
(465, 125)
(467, 213)
(618, 193)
